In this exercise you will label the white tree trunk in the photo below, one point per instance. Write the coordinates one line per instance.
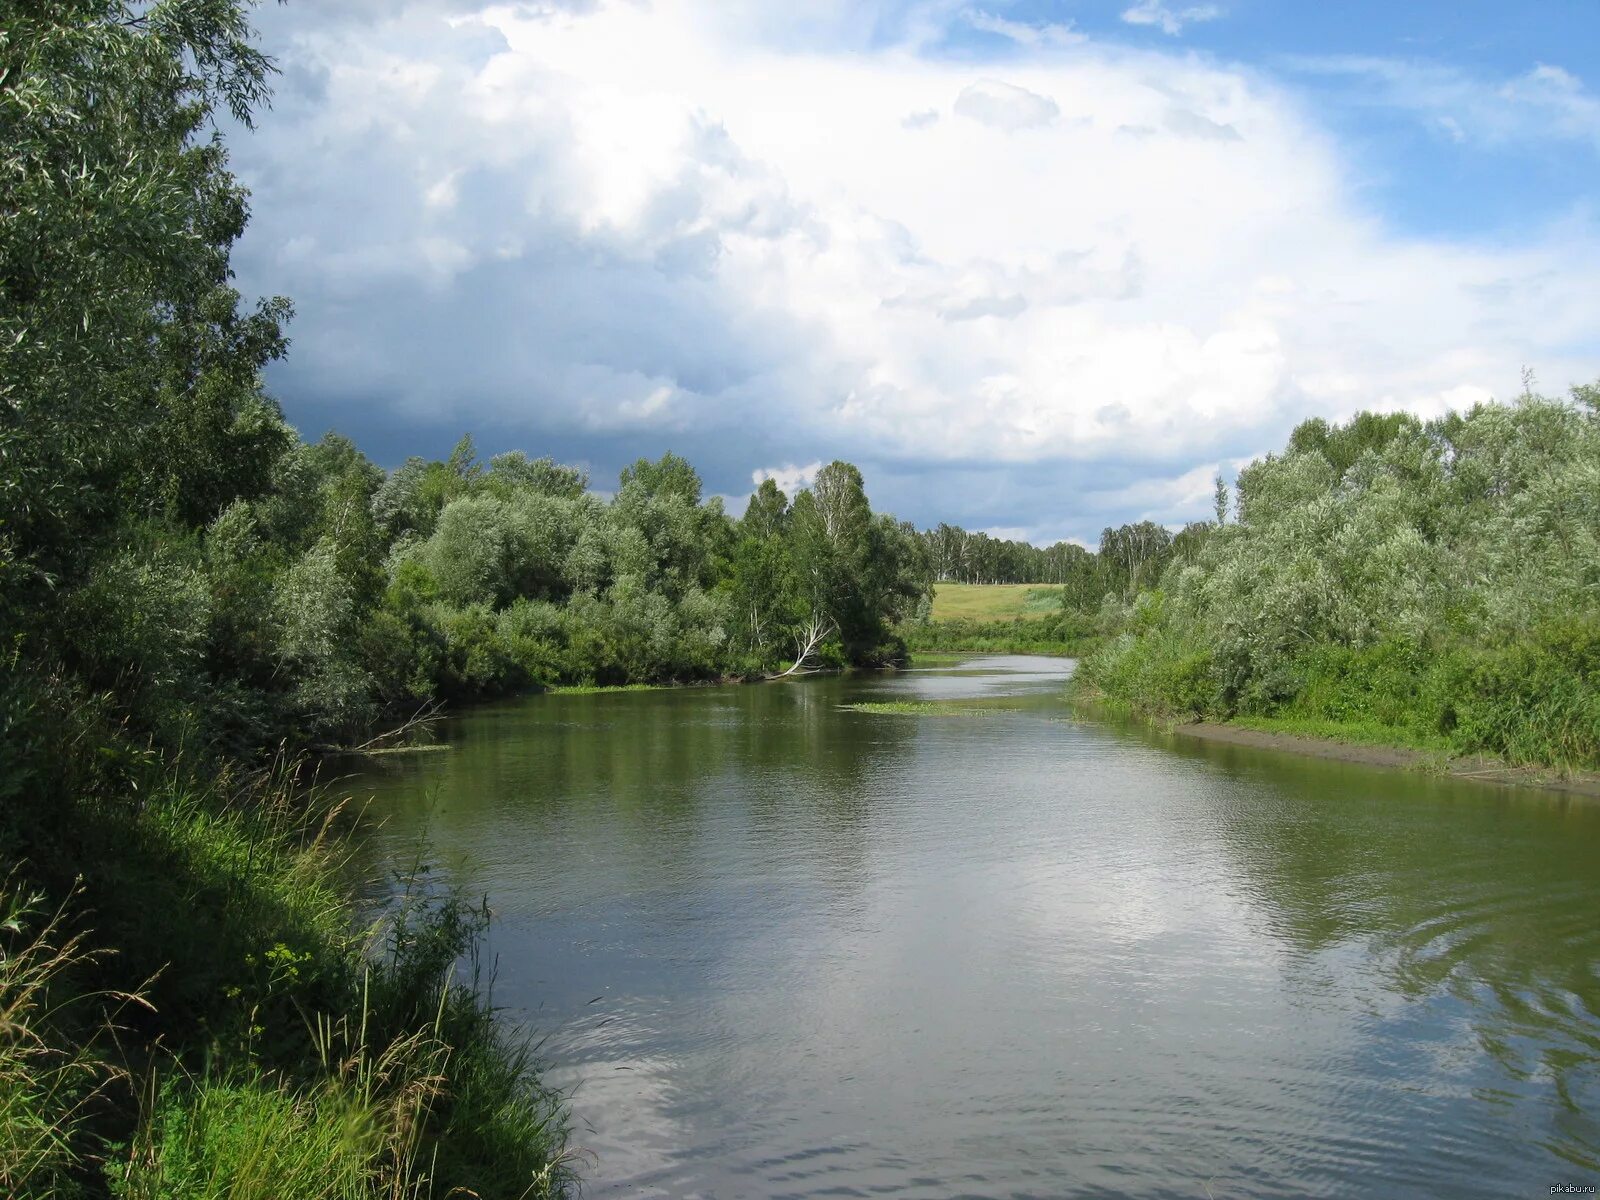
(806, 641)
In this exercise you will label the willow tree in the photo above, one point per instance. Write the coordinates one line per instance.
(128, 367)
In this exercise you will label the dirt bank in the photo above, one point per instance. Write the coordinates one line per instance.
(1488, 770)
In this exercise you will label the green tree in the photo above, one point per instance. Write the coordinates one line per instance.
(128, 372)
(855, 574)
(760, 582)
(768, 513)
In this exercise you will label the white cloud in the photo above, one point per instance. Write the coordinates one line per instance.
(1169, 20)
(1006, 533)
(640, 222)
(1025, 34)
(1005, 106)
(1561, 97)
(1170, 500)
(790, 479)
(1185, 123)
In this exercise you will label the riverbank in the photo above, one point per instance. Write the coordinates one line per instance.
(1583, 783)
(1058, 636)
(200, 995)
(1372, 753)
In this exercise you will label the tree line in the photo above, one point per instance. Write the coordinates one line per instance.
(1129, 557)
(1435, 583)
(370, 592)
(957, 555)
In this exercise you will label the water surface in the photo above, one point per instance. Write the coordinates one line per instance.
(784, 949)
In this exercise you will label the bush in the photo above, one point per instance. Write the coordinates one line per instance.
(476, 659)
(1159, 672)
(1531, 701)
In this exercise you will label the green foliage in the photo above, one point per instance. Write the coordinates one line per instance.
(127, 367)
(1438, 580)
(1535, 700)
(524, 580)
(1157, 661)
(853, 573)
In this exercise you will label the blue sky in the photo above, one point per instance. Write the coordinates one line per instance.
(1419, 175)
(1036, 267)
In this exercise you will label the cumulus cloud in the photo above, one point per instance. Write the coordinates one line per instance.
(1168, 19)
(1005, 106)
(610, 229)
(971, 309)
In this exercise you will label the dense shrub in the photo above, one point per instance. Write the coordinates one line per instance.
(1441, 581)
(1535, 700)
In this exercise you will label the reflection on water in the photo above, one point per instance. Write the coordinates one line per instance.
(784, 949)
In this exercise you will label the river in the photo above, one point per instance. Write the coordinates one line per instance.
(777, 947)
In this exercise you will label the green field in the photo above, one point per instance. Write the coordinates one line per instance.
(993, 601)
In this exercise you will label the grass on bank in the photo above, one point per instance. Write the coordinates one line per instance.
(994, 601)
(204, 1014)
(1090, 699)
(47, 1086)
(999, 618)
(1355, 732)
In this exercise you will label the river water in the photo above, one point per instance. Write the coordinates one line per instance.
(782, 948)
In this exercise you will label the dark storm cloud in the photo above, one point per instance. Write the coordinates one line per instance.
(542, 231)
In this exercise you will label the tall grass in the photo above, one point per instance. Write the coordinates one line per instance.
(247, 1139)
(48, 1081)
(286, 1041)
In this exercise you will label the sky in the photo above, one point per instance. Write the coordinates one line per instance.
(1037, 268)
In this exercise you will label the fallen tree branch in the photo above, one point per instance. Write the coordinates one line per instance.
(806, 642)
(425, 716)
